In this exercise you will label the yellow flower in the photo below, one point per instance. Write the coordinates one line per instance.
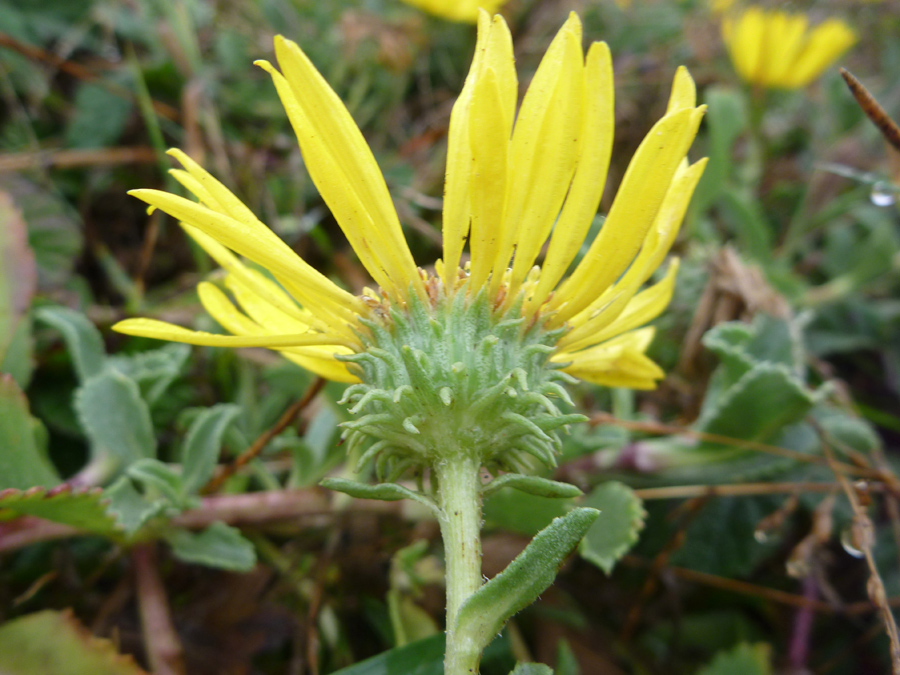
(514, 182)
(775, 49)
(457, 10)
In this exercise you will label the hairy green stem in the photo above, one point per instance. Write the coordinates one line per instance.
(460, 520)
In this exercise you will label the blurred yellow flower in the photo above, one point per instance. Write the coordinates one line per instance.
(514, 182)
(457, 10)
(775, 49)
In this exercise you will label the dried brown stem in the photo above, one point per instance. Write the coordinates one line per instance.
(252, 508)
(873, 109)
(735, 490)
(772, 594)
(78, 71)
(164, 653)
(260, 443)
(68, 159)
(864, 539)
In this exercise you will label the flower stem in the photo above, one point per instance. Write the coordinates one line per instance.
(460, 502)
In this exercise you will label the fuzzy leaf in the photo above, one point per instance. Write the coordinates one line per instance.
(129, 507)
(488, 609)
(54, 642)
(23, 463)
(219, 545)
(203, 444)
(388, 492)
(82, 338)
(616, 530)
(533, 485)
(761, 403)
(157, 476)
(115, 418)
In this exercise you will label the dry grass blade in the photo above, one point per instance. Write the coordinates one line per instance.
(864, 540)
(873, 109)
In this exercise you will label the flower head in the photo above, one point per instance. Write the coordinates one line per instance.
(775, 49)
(495, 333)
(457, 10)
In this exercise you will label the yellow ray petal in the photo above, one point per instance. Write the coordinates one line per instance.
(329, 368)
(825, 45)
(684, 91)
(266, 314)
(455, 227)
(342, 167)
(785, 38)
(488, 135)
(161, 330)
(261, 245)
(619, 362)
(457, 10)
(640, 309)
(634, 210)
(586, 191)
(543, 153)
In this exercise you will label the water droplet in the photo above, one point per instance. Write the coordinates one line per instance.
(883, 194)
(849, 543)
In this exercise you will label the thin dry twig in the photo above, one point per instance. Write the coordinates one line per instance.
(69, 159)
(676, 541)
(873, 109)
(755, 590)
(864, 537)
(732, 490)
(164, 652)
(251, 508)
(78, 71)
(657, 428)
(260, 443)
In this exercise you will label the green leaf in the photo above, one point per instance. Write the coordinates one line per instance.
(54, 642)
(23, 463)
(720, 539)
(762, 402)
(616, 530)
(488, 609)
(18, 360)
(523, 513)
(100, 117)
(566, 662)
(157, 476)
(115, 418)
(409, 621)
(129, 507)
(532, 669)
(18, 271)
(82, 338)
(219, 545)
(388, 492)
(425, 657)
(742, 660)
(83, 509)
(153, 370)
(533, 485)
(203, 444)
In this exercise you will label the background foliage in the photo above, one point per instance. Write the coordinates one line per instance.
(159, 501)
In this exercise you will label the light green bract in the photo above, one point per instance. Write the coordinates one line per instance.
(456, 378)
